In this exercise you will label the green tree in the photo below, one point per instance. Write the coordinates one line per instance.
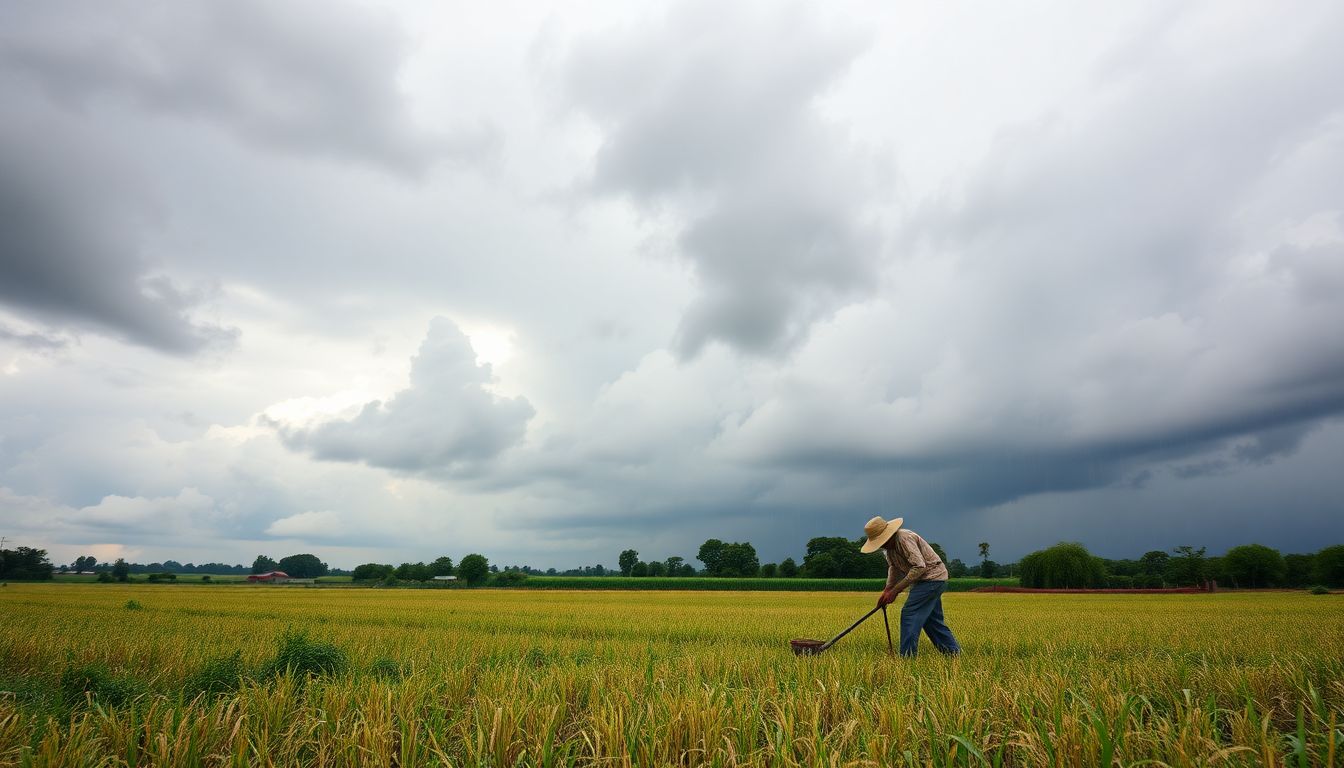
(442, 566)
(121, 570)
(711, 554)
(25, 563)
(768, 570)
(830, 557)
(957, 570)
(301, 566)
(474, 569)
(627, 561)
(1065, 565)
(1299, 570)
(984, 550)
(739, 559)
(1189, 567)
(937, 550)
(264, 564)
(657, 568)
(371, 572)
(787, 568)
(1330, 566)
(673, 565)
(988, 569)
(1123, 567)
(412, 572)
(1154, 563)
(821, 566)
(640, 568)
(1254, 565)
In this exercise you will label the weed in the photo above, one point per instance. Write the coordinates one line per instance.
(218, 675)
(94, 679)
(300, 656)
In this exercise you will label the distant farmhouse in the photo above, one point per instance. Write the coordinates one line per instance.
(276, 577)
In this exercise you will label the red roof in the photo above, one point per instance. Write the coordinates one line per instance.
(269, 575)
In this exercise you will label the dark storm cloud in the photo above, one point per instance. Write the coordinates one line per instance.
(445, 423)
(1120, 298)
(70, 240)
(712, 111)
(312, 78)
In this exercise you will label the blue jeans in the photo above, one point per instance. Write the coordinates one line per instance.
(924, 609)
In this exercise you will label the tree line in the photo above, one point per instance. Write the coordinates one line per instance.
(1064, 565)
(826, 557)
(1248, 566)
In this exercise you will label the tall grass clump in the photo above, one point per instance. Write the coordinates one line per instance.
(94, 681)
(301, 656)
(219, 675)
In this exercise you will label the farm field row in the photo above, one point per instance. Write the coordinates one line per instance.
(143, 675)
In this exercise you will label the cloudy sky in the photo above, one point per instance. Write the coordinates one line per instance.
(384, 283)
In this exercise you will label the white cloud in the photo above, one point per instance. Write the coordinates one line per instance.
(308, 526)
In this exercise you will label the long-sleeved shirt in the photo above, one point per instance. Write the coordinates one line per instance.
(912, 560)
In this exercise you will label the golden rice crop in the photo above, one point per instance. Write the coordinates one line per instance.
(505, 678)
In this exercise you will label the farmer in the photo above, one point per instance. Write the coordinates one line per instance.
(912, 563)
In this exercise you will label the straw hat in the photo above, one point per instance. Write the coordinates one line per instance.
(878, 531)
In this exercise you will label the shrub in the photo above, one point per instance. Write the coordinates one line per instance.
(1065, 565)
(510, 578)
(133, 605)
(222, 674)
(1151, 581)
(371, 572)
(1320, 589)
(79, 683)
(304, 657)
(1120, 582)
(205, 579)
(105, 578)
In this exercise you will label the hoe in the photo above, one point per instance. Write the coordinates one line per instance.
(805, 647)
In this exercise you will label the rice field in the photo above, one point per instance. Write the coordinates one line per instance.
(120, 675)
